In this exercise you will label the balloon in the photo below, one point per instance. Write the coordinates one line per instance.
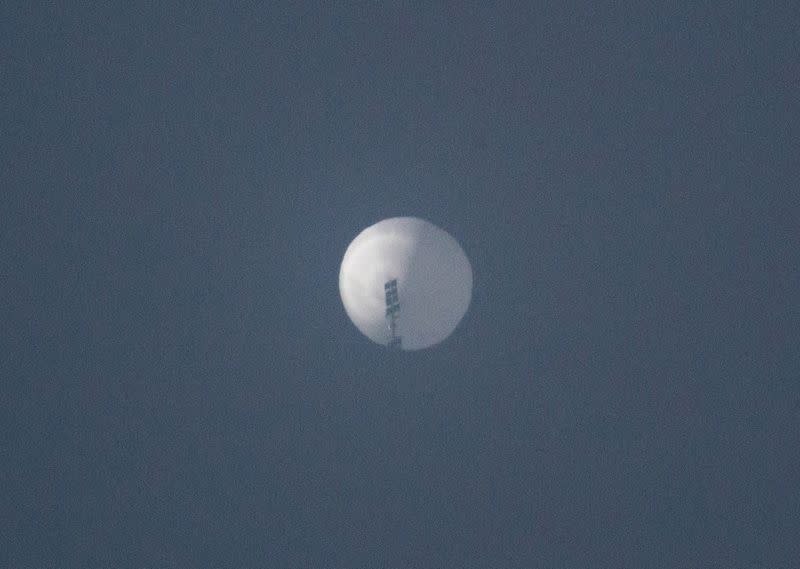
(405, 283)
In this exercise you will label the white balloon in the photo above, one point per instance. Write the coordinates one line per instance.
(434, 282)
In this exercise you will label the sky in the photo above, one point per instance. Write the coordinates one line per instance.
(180, 384)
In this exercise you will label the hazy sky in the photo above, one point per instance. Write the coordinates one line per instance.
(182, 387)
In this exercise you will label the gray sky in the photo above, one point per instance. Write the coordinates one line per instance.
(181, 385)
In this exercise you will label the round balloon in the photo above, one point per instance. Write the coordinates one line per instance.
(405, 283)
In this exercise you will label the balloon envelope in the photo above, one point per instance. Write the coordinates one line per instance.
(434, 282)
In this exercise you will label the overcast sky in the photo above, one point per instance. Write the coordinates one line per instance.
(180, 384)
